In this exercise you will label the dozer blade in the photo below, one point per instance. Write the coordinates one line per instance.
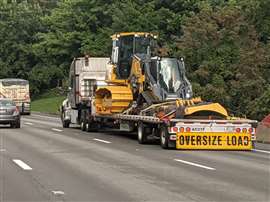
(112, 99)
(206, 109)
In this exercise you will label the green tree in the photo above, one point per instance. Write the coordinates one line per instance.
(225, 59)
(19, 22)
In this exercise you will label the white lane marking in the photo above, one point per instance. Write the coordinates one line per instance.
(263, 151)
(104, 141)
(28, 123)
(195, 164)
(57, 193)
(22, 164)
(57, 130)
(3, 150)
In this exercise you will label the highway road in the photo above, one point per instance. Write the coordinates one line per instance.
(44, 162)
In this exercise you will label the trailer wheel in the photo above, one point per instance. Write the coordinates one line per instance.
(83, 126)
(87, 127)
(164, 137)
(142, 135)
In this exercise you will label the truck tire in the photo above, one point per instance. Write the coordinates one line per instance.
(164, 137)
(142, 135)
(65, 124)
(18, 124)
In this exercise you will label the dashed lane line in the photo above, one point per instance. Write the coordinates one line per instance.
(104, 141)
(194, 164)
(262, 151)
(21, 164)
(28, 123)
(58, 193)
(57, 130)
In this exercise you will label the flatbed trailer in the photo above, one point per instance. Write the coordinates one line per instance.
(178, 133)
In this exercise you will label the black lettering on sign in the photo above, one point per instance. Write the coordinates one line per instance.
(219, 140)
(181, 140)
(199, 140)
(204, 140)
(209, 140)
(228, 141)
(187, 138)
(240, 141)
(246, 140)
(214, 140)
(193, 140)
(234, 140)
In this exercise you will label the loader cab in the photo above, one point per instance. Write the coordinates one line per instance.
(125, 46)
(168, 76)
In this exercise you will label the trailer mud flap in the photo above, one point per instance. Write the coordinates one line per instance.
(214, 141)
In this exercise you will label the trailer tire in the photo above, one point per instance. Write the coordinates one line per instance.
(87, 127)
(83, 126)
(142, 135)
(164, 137)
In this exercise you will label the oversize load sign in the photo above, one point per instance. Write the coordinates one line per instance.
(223, 141)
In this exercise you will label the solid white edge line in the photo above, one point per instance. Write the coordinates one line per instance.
(28, 123)
(262, 151)
(194, 164)
(57, 130)
(104, 141)
(22, 164)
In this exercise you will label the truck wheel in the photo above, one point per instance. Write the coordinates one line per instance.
(65, 124)
(142, 135)
(164, 137)
(18, 124)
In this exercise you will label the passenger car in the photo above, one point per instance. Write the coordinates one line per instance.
(9, 113)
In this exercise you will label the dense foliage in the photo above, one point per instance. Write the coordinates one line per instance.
(226, 43)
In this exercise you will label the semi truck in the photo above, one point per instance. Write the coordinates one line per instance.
(18, 91)
(139, 91)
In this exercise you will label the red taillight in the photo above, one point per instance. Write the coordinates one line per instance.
(182, 129)
(188, 129)
(175, 129)
(238, 130)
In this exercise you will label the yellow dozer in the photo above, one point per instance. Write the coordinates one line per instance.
(155, 93)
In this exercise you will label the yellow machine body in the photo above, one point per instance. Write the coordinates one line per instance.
(112, 99)
(118, 95)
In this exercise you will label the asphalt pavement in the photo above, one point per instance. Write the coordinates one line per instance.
(44, 162)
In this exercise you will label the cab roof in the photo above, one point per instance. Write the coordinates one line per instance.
(12, 79)
(117, 35)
